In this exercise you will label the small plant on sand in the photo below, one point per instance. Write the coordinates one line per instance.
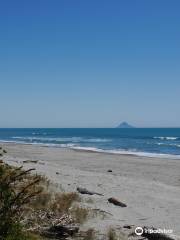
(90, 234)
(63, 201)
(114, 235)
(111, 234)
(80, 214)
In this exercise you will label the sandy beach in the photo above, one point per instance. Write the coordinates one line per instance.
(149, 186)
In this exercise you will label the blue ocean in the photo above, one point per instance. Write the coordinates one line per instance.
(152, 142)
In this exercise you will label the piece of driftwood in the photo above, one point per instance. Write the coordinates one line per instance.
(101, 211)
(128, 226)
(116, 202)
(85, 191)
(60, 231)
(158, 236)
(30, 161)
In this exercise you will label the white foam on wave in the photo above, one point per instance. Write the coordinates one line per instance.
(160, 144)
(91, 149)
(166, 138)
(36, 133)
(63, 139)
(68, 145)
(125, 152)
(12, 141)
(91, 140)
(170, 144)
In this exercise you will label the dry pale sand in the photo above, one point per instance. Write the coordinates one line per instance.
(149, 186)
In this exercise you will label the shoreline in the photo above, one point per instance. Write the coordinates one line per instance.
(98, 150)
(149, 186)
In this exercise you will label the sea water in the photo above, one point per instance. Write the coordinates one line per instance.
(151, 142)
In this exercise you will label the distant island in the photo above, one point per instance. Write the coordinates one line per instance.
(124, 125)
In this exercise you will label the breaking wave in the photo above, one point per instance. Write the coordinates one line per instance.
(167, 138)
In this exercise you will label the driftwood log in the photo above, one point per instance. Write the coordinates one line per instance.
(116, 202)
(85, 191)
(59, 231)
(30, 161)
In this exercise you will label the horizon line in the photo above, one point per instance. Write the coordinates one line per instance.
(87, 127)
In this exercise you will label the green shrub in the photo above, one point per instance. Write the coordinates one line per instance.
(14, 194)
(16, 233)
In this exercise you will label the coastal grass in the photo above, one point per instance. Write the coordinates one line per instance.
(90, 234)
(113, 234)
(29, 202)
(63, 201)
(14, 194)
(79, 214)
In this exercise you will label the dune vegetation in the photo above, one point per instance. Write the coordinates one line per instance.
(30, 210)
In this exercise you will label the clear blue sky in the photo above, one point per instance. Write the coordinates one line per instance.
(80, 63)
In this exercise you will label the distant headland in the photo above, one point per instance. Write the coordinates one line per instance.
(125, 125)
